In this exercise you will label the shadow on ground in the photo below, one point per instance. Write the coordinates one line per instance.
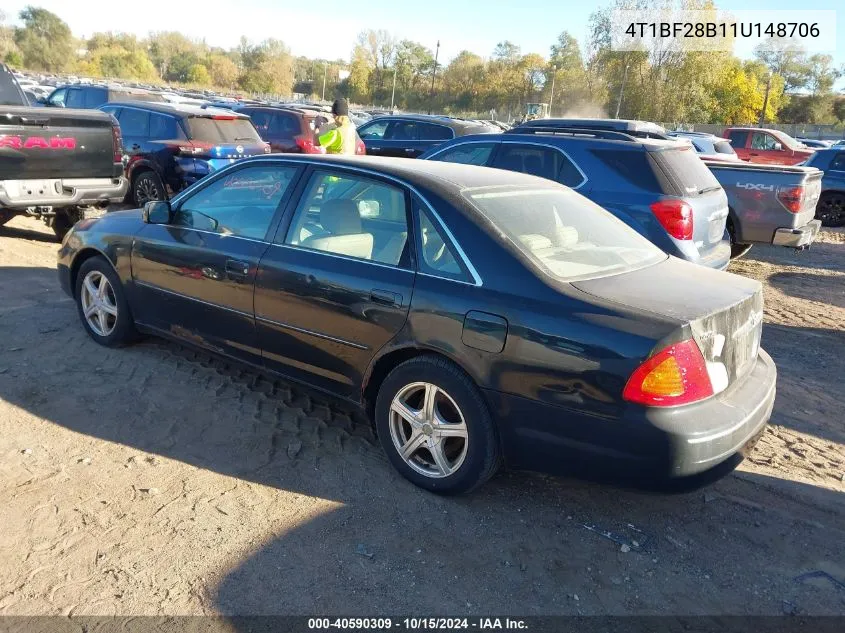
(830, 290)
(524, 543)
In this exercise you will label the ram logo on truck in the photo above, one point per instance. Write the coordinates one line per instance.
(753, 186)
(38, 142)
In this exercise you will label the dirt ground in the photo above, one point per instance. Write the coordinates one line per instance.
(154, 480)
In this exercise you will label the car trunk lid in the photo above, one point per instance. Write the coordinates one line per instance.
(723, 312)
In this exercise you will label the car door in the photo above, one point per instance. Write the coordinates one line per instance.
(336, 285)
(766, 149)
(373, 136)
(193, 278)
(135, 128)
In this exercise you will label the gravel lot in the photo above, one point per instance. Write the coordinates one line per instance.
(154, 480)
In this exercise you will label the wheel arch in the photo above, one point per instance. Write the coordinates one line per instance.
(83, 256)
(391, 358)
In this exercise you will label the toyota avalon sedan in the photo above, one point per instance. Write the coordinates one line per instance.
(480, 317)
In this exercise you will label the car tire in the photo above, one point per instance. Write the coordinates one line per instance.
(109, 321)
(147, 187)
(64, 221)
(452, 449)
(739, 250)
(831, 209)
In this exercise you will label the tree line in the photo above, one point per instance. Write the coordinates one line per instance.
(665, 83)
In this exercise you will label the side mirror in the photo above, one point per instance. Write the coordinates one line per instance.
(156, 212)
(778, 147)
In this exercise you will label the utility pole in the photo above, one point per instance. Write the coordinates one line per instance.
(325, 72)
(766, 100)
(552, 97)
(393, 93)
(433, 75)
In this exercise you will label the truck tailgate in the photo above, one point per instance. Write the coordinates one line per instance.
(55, 143)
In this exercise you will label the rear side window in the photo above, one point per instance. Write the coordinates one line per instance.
(95, 97)
(838, 162)
(738, 138)
(437, 254)
(429, 132)
(286, 125)
(164, 127)
(682, 172)
(222, 130)
(134, 123)
(634, 168)
(75, 98)
(467, 154)
(544, 162)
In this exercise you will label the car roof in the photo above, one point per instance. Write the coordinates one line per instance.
(619, 125)
(178, 109)
(429, 118)
(565, 137)
(437, 175)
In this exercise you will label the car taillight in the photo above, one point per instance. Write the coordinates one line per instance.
(360, 148)
(675, 216)
(674, 376)
(792, 198)
(117, 143)
(308, 146)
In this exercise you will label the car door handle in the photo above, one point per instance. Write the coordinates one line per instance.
(237, 269)
(385, 297)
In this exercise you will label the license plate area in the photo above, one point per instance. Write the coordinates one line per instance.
(23, 190)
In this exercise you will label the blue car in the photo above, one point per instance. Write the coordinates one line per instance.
(658, 187)
(831, 207)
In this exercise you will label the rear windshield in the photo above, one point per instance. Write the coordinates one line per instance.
(562, 233)
(222, 130)
(682, 172)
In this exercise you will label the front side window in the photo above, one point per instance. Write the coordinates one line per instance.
(58, 97)
(242, 203)
(351, 216)
(763, 141)
(134, 123)
(467, 154)
(75, 98)
(562, 233)
(374, 130)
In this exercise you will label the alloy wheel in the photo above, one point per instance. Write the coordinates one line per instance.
(428, 430)
(98, 303)
(146, 191)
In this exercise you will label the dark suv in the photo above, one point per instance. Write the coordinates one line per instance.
(170, 146)
(90, 97)
(658, 187)
(411, 135)
(290, 129)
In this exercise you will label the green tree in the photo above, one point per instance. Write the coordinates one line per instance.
(223, 71)
(14, 59)
(45, 41)
(198, 74)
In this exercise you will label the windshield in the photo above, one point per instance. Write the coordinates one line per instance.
(562, 233)
(222, 130)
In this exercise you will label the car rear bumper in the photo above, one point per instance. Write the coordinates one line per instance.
(664, 442)
(798, 238)
(58, 192)
(704, 434)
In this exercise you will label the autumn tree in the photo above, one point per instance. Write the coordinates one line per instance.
(44, 41)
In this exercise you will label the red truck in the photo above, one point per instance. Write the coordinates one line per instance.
(771, 147)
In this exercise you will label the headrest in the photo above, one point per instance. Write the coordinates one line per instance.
(340, 217)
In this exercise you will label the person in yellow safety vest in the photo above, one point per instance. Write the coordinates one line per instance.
(341, 137)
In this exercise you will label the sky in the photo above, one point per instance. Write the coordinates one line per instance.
(328, 28)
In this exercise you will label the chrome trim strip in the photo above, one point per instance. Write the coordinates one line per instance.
(232, 235)
(461, 253)
(181, 296)
(287, 326)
